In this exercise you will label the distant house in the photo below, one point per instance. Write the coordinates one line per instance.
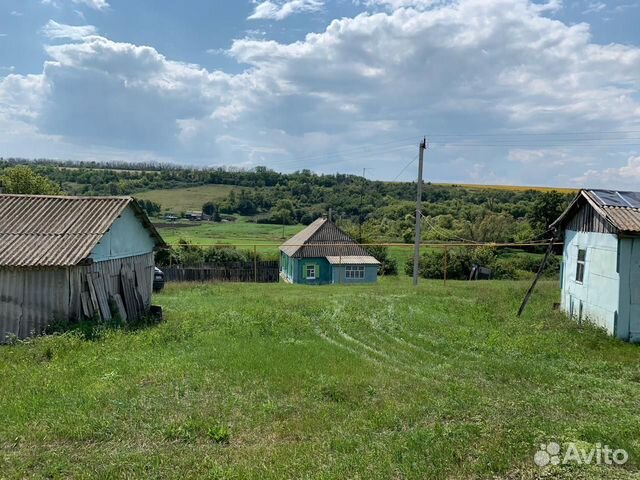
(322, 253)
(72, 258)
(601, 261)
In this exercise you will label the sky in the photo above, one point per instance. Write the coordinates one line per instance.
(506, 91)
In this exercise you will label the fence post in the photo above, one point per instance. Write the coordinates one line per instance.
(255, 263)
(446, 266)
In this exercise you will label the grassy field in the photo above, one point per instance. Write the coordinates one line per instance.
(240, 232)
(245, 232)
(281, 381)
(178, 200)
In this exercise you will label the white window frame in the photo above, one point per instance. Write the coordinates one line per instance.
(354, 272)
(581, 263)
(307, 268)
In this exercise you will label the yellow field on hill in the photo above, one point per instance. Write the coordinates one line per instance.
(184, 199)
(510, 188)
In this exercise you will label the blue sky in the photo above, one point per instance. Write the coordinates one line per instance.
(507, 91)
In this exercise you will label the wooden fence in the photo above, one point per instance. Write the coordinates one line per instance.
(260, 271)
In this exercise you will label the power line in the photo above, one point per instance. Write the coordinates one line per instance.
(404, 169)
(506, 134)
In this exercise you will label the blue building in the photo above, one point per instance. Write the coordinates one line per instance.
(322, 253)
(600, 274)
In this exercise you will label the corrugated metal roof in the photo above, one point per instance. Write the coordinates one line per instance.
(353, 260)
(46, 231)
(615, 207)
(322, 238)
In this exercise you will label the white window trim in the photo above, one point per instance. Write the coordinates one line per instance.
(583, 263)
(306, 272)
(354, 272)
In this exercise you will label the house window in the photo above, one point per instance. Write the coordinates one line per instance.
(310, 271)
(582, 257)
(354, 272)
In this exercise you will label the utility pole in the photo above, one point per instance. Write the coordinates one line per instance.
(416, 252)
(364, 179)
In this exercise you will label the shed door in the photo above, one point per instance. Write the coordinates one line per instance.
(634, 289)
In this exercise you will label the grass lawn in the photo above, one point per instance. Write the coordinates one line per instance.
(178, 200)
(239, 232)
(281, 381)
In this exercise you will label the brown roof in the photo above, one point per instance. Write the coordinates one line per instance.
(620, 210)
(322, 238)
(47, 231)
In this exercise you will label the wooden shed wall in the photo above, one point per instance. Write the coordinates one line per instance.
(586, 219)
(30, 299)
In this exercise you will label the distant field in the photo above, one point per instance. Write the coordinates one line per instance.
(240, 232)
(286, 381)
(510, 188)
(178, 200)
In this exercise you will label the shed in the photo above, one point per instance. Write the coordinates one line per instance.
(322, 253)
(72, 258)
(600, 275)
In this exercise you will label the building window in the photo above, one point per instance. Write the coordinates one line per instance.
(354, 272)
(582, 257)
(310, 272)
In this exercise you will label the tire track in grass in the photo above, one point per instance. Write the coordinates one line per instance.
(369, 354)
(364, 356)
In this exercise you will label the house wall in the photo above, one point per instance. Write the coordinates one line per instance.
(31, 299)
(370, 275)
(597, 298)
(629, 314)
(323, 271)
(127, 237)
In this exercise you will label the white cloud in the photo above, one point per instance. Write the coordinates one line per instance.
(94, 4)
(279, 10)
(626, 176)
(55, 30)
(494, 65)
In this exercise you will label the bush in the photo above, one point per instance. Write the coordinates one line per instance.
(460, 261)
(389, 265)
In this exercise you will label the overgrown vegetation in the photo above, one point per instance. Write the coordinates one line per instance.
(385, 209)
(460, 261)
(281, 381)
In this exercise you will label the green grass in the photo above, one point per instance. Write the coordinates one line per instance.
(240, 232)
(281, 381)
(178, 200)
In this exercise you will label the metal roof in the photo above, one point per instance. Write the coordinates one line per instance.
(353, 260)
(621, 210)
(48, 231)
(322, 238)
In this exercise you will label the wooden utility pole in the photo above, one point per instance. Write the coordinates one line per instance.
(537, 277)
(416, 253)
(364, 180)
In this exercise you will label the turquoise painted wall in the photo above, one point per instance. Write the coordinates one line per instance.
(294, 270)
(629, 314)
(127, 237)
(370, 275)
(323, 271)
(598, 296)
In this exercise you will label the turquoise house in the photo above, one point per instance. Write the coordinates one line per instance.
(600, 276)
(324, 254)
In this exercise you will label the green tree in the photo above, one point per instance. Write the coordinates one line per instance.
(546, 208)
(209, 208)
(23, 180)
